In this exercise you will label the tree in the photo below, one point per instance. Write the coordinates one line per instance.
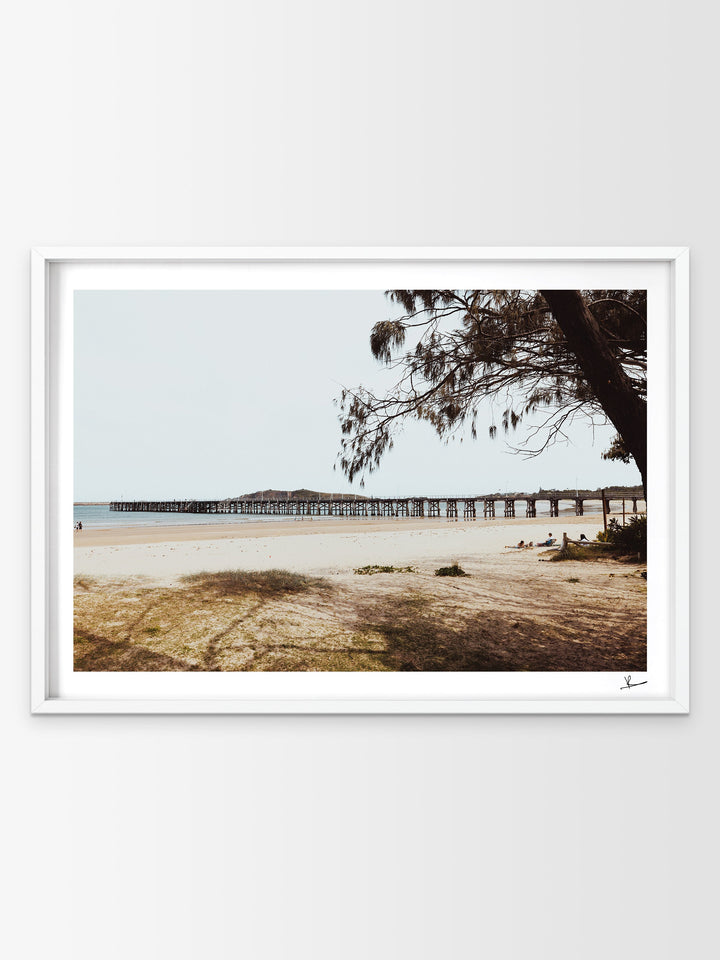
(569, 353)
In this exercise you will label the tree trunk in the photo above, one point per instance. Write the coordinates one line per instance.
(611, 385)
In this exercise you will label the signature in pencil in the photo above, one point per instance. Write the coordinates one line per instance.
(629, 684)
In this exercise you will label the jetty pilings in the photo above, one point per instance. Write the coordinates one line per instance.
(449, 507)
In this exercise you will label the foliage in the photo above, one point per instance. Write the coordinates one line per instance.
(632, 537)
(453, 571)
(617, 451)
(373, 568)
(454, 349)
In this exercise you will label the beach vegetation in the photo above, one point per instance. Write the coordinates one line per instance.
(629, 538)
(373, 568)
(454, 570)
(563, 353)
(85, 583)
(271, 621)
(618, 542)
(262, 583)
(572, 552)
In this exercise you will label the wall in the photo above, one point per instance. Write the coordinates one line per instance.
(223, 122)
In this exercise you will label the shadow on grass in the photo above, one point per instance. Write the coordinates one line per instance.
(419, 638)
(85, 583)
(100, 654)
(332, 630)
(260, 586)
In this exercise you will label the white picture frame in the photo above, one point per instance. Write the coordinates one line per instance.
(57, 272)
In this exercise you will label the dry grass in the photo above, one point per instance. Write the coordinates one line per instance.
(233, 620)
(261, 583)
(594, 552)
(85, 583)
(537, 619)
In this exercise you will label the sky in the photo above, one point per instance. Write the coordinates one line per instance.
(214, 394)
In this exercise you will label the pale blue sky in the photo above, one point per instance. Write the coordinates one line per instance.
(212, 394)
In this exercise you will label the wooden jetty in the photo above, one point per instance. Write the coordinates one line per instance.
(452, 508)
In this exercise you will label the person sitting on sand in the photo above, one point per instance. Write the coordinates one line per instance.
(549, 542)
(515, 546)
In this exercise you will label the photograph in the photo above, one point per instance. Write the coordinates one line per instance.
(360, 480)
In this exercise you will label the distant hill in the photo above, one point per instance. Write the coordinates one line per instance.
(296, 495)
(611, 492)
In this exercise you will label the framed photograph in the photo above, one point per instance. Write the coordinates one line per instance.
(341, 480)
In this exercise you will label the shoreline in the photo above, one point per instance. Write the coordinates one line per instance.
(337, 546)
(188, 533)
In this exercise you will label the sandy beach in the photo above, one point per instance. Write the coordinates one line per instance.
(286, 596)
(321, 546)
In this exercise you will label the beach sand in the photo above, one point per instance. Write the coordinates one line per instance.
(134, 610)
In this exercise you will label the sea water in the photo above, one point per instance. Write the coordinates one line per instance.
(93, 515)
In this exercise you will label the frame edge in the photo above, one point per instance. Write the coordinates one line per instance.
(39, 632)
(680, 296)
(42, 257)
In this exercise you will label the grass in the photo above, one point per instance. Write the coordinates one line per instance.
(455, 570)
(98, 653)
(372, 568)
(268, 584)
(213, 621)
(85, 583)
(420, 634)
(276, 620)
(595, 552)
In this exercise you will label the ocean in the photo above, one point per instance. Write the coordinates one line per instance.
(100, 515)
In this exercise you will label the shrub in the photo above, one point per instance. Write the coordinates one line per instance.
(453, 571)
(631, 538)
(264, 583)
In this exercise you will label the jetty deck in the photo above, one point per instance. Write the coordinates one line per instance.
(485, 506)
